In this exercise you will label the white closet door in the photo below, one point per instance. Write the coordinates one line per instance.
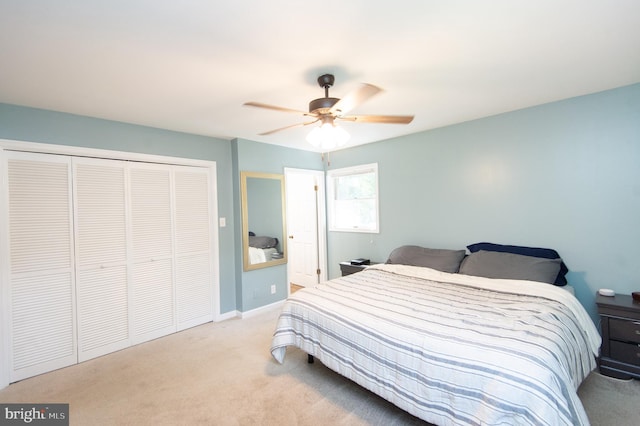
(153, 298)
(41, 268)
(101, 250)
(192, 238)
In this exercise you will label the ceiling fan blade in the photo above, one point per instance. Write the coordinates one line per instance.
(385, 119)
(274, 107)
(288, 127)
(354, 98)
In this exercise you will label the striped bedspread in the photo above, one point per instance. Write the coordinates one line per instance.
(448, 348)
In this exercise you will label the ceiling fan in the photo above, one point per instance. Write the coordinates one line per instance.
(327, 110)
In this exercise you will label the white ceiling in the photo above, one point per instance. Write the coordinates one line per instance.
(189, 65)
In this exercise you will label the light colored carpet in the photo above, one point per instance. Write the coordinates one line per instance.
(223, 374)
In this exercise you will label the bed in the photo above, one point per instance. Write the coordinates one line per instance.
(449, 347)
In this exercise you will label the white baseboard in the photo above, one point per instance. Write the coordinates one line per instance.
(261, 309)
(227, 315)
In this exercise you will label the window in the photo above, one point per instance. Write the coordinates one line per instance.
(353, 199)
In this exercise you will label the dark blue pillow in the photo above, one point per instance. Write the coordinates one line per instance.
(543, 253)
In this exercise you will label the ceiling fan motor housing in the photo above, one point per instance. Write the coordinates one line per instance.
(322, 105)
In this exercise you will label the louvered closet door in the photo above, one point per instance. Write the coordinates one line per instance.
(41, 269)
(192, 242)
(101, 253)
(153, 298)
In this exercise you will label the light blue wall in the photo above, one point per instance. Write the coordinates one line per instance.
(35, 125)
(564, 175)
(253, 289)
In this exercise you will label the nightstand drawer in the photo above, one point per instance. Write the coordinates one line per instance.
(624, 330)
(620, 351)
(625, 352)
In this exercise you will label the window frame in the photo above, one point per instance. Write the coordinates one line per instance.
(334, 174)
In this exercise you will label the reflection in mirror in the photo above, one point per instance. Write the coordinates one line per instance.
(263, 220)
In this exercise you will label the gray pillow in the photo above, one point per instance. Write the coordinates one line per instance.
(262, 242)
(491, 264)
(440, 259)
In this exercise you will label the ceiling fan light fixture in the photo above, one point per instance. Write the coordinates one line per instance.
(328, 136)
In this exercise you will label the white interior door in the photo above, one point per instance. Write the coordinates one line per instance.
(152, 284)
(41, 304)
(194, 304)
(306, 241)
(101, 256)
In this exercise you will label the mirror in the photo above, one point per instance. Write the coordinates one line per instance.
(263, 220)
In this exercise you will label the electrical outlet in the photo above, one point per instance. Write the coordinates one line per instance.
(273, 289)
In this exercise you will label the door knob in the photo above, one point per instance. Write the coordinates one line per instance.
(291, 237)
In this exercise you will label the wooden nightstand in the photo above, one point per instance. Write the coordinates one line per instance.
(620, 324)
(347, 268)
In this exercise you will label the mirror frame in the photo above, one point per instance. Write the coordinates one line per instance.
(245, 221)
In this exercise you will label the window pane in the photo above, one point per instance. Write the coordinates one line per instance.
(356, 214)
(356, 186)
(353, 198)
